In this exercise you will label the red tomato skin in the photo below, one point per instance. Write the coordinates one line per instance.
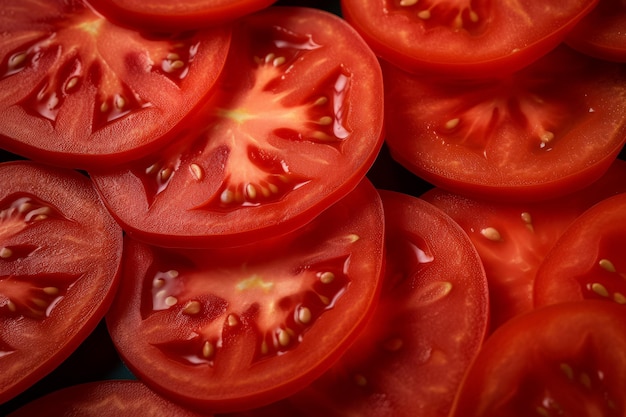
(164, 15)
(73, 95)
(59, 270)
(566, 358)
(508, 36)
(587, 260)
(225, 358)
(543, 132)
(121, 398)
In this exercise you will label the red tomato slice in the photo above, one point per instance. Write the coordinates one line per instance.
(602, 33)
(468, 39)
(78, 91)
(588, 261)
(513, 239)
(232, 329)
(167, 15)
(295, 126)
(546, 131)
(120, 398)
(60, 254)
(562, 360)
(428, 326)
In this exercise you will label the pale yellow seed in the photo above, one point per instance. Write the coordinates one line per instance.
(269, 58)
(208, 349)
(277, 62)
(568, 371)
(325, 300)
(407, 3)
(599, 289)
(166, 174)
(172, 56)
(232, 320)
(25, 207)
(319, 135)
(452, 123)
(325, 121)
(546, 137)
(273, 188)
(119, 102)
(177, 64)
(71, 83)
(424, 15)
(152, 169)
(251, 191)
(607, 265)
(320, 101)
(227, 197)
(619, 298)
(474, 16)
(526, 217)
(196, 171)
(11, 306)
(104, 107)
(172, 273)
(39, 302)
(491, 233)
(264, 348)
(17, 60)
(192, 308)
(158, 283)
(284, 338)
(304, 315)
(51, 291)
(360, 380)
(170, 301)
(327, 277)
(6, 253)
(585, 379)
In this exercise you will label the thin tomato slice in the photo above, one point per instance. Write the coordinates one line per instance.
(545, 131)
(602, 33)
(79, 91)
(566, 359)
(295, 125)
(463, 38)
(427, 327)
(235, 328)
(513, 239)
(60, 253)
(167, 15)
(121, 398)
(587, 262)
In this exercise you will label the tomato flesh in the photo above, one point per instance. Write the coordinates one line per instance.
(235, 328)
(60, 254)
(287, 113)
(73, 94)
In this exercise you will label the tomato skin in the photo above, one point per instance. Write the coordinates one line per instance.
(230, 329)
(163, 15)
(122, 398)
(505, 37)
(564, 359)
(298, 87)
(548, 130)
(587, 260)
(72, 94)
(602, 33)
(59, 269)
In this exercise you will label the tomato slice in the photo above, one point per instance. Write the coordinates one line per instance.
(427, 327)
(602, 33)
(284, 138)
(60, 255)
(165, 15)
(513, 239)
(463, 38)
(566, 359)
(587, 261)
(122, 398)
(78, 91)
(548, 130)
(235, 328)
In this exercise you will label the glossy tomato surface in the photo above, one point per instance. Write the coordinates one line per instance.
(567, 359)
(167, 15)
(427, 327)
(295, 125)
(60, 253)
(587, 261)
(120, 398)
(79, 91)
(463, 38)
(231, 329)
(552, 128)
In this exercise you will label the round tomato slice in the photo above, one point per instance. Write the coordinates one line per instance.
(548, 130)
(513, 239)
(587, 262)
(566, 359)
(466, 38)
(166, 15)
(235, 328)
(121, 398)
(428, 326)
(60, 255)
(78, 91)
(295, 125)
(602, 33)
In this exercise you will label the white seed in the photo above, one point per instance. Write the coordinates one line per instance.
(196, 171)
(278, 61)
(170, 301)
(491, 233)
(232, 320)
(269, 58)
(119, 102)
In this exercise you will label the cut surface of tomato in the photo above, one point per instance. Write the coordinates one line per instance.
(121, 398)
(426, 329)
(166, 15)
(587, 262)
(235, 328)
(513, 239)
(79, 91)
(463, 38)
(602, 33)
(60, 253)
(567, 359)
(295, 125)
(548, 130)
